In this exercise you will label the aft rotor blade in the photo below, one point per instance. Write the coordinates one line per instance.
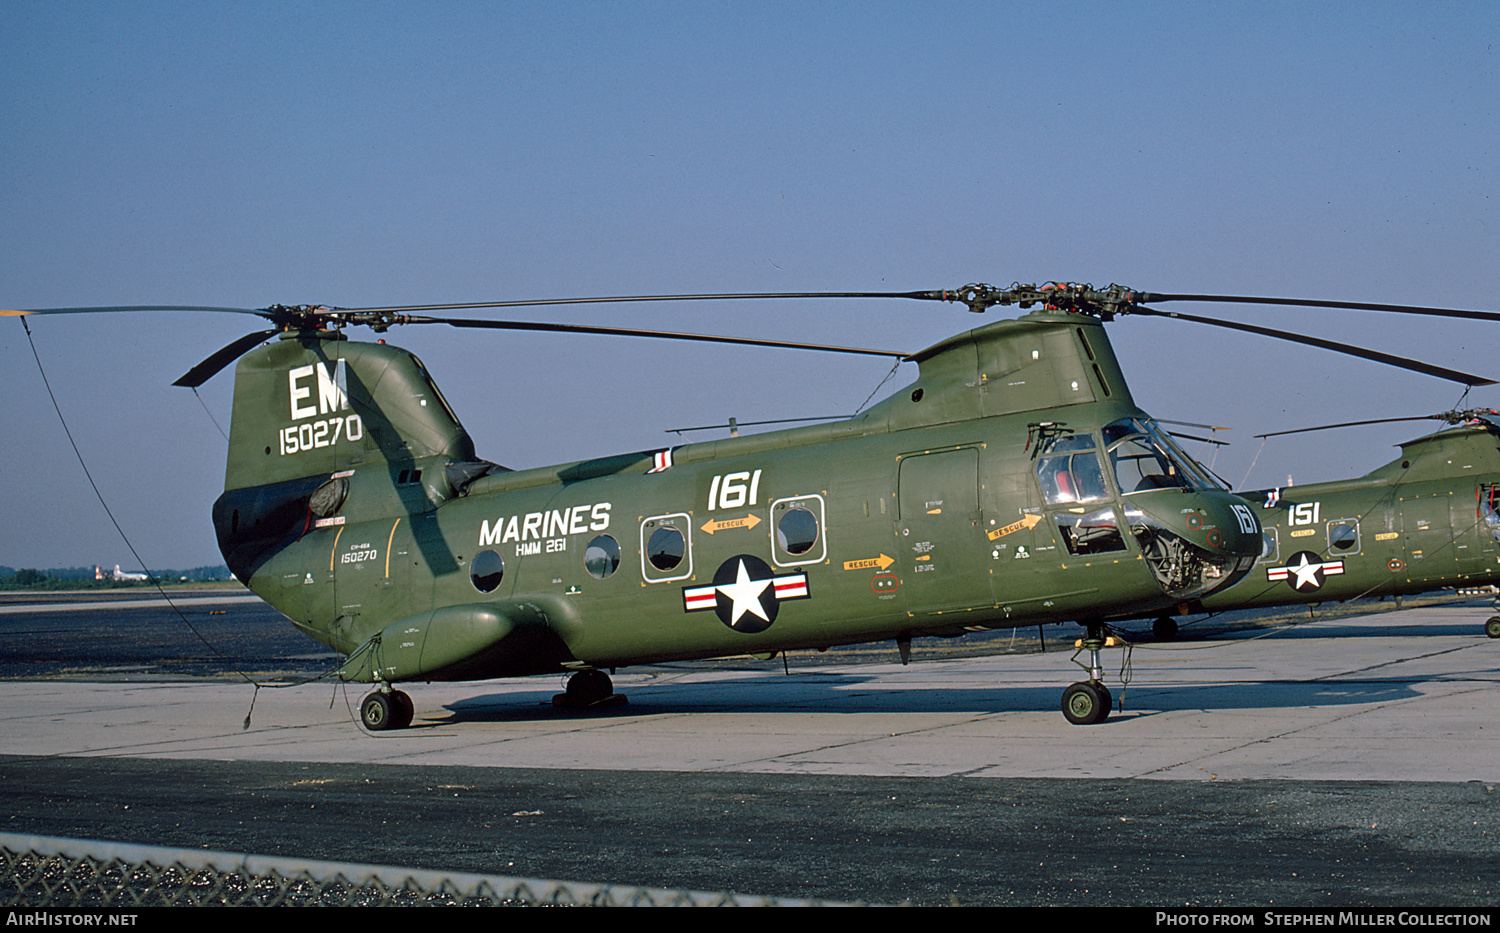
(206, 370)
(1346, 424)
(1155, 297)
(615, 299)
(656, 334)
(1452, 417)
(130, 308)
(1428, 369)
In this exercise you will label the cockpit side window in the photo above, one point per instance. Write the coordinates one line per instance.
(1143, 459)
(1095, 533)
(1139, 465)
(1198, 474)
(1069, 470)
(1489, 507)
(1072, 478)
(1060, 443)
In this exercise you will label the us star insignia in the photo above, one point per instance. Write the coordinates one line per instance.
(1305, 572)
(746, 593)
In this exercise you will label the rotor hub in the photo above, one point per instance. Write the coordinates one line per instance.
(1057, 296)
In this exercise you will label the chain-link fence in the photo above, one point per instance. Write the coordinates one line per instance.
(50, 873)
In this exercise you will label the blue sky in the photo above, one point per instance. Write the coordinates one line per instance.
(375, 153)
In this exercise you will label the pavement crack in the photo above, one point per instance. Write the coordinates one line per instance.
(1394, 661)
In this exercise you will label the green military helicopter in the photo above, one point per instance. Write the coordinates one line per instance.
(1014, 483)
(1429, 519)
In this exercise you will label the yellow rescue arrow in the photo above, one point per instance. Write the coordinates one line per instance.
(1027, 521)
(724, 524)
(869, 563)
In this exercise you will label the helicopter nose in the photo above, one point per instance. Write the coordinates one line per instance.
(1239, 529)
(1231, 530)
(1195, 544)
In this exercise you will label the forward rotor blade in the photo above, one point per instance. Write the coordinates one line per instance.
(1189, 424)
(656, 334)
(1402, 362)
(1194, 437)
(206, 370)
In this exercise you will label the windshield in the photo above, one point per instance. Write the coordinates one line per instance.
(1143, 458)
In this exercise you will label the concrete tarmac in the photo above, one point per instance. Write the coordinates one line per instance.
(1349, 762)
(1402, 696)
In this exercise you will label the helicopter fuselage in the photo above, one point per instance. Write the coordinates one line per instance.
(761, 544)
(1426, 520)
(355, 505)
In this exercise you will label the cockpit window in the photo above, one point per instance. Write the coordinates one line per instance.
(1065, 442)
(1205, 479)
(1140, 465)
(1067, 476)
(1489, 507)
(1094, 533)
(1072, 478)
(1144, 458)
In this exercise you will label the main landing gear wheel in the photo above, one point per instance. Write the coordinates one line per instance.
(587, 688)
(1164, 628)
(1086, 703)
(407, 709)
(1492, 627)
(381, 711)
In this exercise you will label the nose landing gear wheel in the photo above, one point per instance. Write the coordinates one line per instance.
(1492, 627)
(1086, 703)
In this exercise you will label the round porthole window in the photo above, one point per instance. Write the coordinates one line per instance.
(1343, 536)
(797, 531)
(486, 571)
(602, 557)
(665, 548)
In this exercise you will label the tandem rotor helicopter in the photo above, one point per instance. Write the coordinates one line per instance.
(1427, 520)
(1014, 483)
